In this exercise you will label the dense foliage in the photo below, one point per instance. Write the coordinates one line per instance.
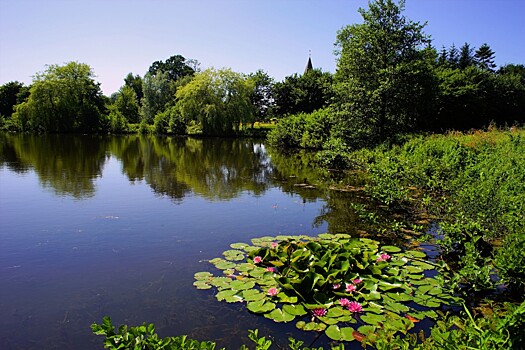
(63, 99)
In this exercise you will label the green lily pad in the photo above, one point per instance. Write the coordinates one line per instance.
(203, 276)
(297, 310)
(279, 315)
(373, 319)
(201, 285)
(260, 306)
(390, 249)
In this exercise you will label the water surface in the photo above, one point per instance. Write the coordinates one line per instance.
(93, 226)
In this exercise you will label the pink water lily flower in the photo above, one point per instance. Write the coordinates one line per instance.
(336, 286)
(270, 269)
(344, 302)
(350, 288)
(257, 259)
(273, 291)
(383, 257)
(354, 306)
(319, 312)
(357, 281)
(274, 245)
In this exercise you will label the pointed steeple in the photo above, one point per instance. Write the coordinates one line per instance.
(309, 65)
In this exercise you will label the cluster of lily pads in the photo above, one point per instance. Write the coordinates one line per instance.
(347, 287)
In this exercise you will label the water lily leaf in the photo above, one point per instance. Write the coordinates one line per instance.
(366, 329)
(245, 267)
(297, 310)
(384, 286)
(223, 265)
(233, 255)
(347, 333)
(396, 307)
(284, 298)
(224, 294)
(326, 236)
(373, 319)
(400, 296)
(390, 249)
(221, 282)
(423, 265)
(228, 272)
(239, 245)
(242, 285)
(202, 276)
(373, 295)
(253, 295)
(415, 254)
(328, 320)
(337, 311)
(279, 315)
(334, 332)
(300, 324)
(260, 306)
(413, 269)
(201, 285)
(313, 326)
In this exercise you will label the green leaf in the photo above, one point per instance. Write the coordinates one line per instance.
(390, 249)
(252, 295)
(202, 275)
(201, 285)
(297, 310)
(260, 306)
(373, 319)
(279, 315)
(333, 332)
(347, 333)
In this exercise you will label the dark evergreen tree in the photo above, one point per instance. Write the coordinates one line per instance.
(466, 56)
(453, 56)
(485, 57)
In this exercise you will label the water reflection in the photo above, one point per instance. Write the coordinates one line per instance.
(67, 164)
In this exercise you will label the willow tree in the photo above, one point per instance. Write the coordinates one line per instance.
(218, 99)
(384, 74)
(63, 99)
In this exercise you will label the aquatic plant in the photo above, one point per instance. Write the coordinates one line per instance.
(347, 287)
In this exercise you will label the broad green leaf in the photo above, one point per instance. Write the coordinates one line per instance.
(373, 319)
(333, 332)
(201, 285)
(390, 249)
(297, 310)
(260, 306)
(279, 315)
(203, 276)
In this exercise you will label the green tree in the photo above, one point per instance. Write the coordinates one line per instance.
(303, 93)
(384, 79)
(485, 57)
(157, 93)
(218, 99)
(175, 67)
(126, 104)
(466, 56)
(262, 95)
(11, 94)
(135, 82)
(63, 99)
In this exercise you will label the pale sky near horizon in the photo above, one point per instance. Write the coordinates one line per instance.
(116, 37)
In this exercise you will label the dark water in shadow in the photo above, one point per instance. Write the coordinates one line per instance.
(93, 226)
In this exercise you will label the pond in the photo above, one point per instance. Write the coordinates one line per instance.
(99, 225)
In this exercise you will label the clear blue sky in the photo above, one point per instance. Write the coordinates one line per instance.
(116, 37)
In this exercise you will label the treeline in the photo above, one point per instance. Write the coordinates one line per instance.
(173, 97)
(389, 81)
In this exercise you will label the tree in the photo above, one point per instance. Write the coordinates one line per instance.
(156, 90)
(485, 57)
(218, 99)
(176, 67)
(63, 99)
(384, 78)
(466, 56)
(262, 95)
(11, 94)
(126, 104)
(135, 82)
(303, 93)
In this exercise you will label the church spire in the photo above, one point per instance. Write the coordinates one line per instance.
(309, 65)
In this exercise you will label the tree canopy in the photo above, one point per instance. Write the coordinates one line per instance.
(383, 75)
(218, 99)
(63, 99)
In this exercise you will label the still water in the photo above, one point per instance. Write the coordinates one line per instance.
(93, 226)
